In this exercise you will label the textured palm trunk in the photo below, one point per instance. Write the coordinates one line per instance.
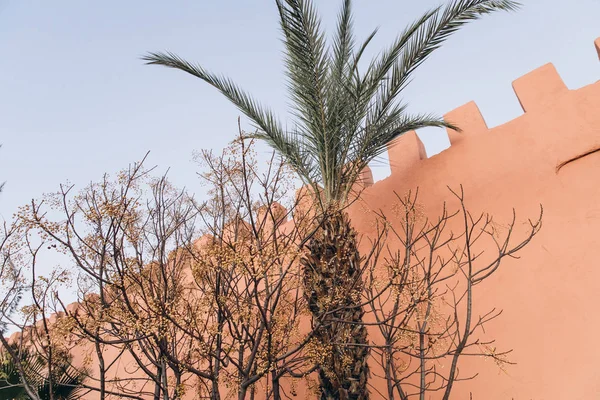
(333, 286)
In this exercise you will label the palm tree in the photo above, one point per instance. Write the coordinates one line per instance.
(343, 119)
(66, 381)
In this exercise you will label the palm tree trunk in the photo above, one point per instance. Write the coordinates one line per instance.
(333, 286)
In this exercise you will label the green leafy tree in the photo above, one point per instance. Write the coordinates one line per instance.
(344, 119)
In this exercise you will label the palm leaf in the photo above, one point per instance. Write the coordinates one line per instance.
(10, 381)
(420, 40)
(66, 380)
(343, 119)
(269, 127)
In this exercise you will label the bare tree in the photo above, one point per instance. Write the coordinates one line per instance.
(422, 294)
(186, 314)
(162, 314)
(12, 287)
(248, 265)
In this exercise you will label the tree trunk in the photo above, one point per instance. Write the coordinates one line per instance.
(215, 391)
(157, 385)
(242, 392)
(276, 387)
(333, 286)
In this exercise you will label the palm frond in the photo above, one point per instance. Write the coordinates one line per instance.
(344, 119)
(380, 66)
(339, 89)
(341, 98)
(264, 119)
(343, 43)
(269, 127)
(356, 103)
(66, 380)
(66, 384)
(312, 74)
(10, 381)
(374, 145)
(307, 64)
(375, 140)
(423, 37)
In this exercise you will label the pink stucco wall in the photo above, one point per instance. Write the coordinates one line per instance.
(550, 296)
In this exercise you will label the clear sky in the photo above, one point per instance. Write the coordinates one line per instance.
(76, 101)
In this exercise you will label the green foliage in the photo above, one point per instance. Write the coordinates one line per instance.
(10, 382)
(344, 119)
(66, 381)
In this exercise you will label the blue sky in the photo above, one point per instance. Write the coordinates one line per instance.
(76, 101)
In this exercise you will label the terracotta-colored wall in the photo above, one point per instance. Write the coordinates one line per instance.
(550, 295)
